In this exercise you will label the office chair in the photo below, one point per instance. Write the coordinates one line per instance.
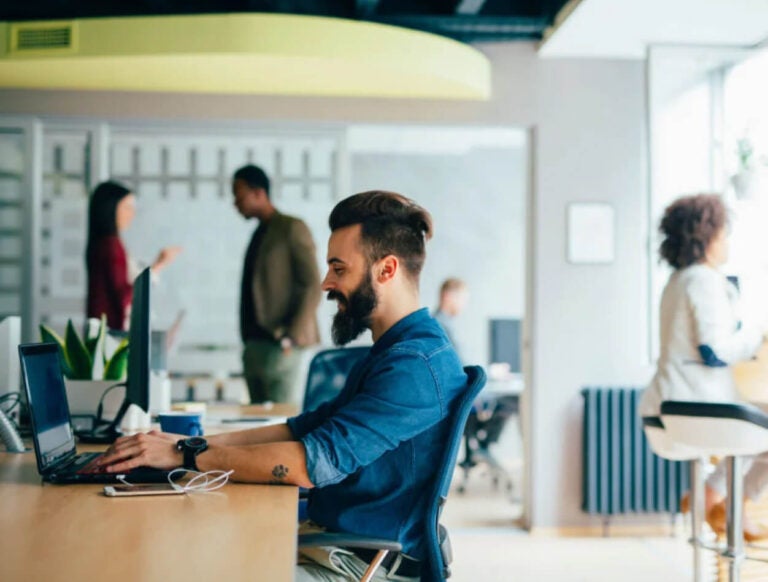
(485, 424)
(328, 372)
(435, 567)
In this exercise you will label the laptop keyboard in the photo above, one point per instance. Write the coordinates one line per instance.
(83, 464)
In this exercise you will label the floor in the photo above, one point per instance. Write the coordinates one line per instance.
(489, 545)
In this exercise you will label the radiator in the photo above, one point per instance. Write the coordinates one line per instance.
(621, 473)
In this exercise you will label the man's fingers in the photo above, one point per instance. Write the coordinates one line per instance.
(123, 466)
(128, 451)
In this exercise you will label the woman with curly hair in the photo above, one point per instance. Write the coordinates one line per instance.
(701, 333)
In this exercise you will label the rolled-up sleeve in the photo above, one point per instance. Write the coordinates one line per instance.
(308, 421)
(399, 399)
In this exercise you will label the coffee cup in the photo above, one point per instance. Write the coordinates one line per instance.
(187, 423)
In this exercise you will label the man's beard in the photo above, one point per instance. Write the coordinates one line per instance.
(356, 316)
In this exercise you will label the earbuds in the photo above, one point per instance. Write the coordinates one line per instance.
(218, 480)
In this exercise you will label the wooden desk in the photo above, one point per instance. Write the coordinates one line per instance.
(73, 532)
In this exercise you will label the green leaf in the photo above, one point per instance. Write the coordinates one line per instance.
(118, 363)
(98, 355)
(80, 360)
(49, 336)
(90, 345)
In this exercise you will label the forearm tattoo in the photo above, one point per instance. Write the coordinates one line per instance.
(279, 473)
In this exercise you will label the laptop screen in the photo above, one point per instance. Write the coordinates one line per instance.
(47, 399)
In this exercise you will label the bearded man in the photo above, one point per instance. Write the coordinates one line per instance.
(368, 455)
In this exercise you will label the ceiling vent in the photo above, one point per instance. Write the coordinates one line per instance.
(42, 37)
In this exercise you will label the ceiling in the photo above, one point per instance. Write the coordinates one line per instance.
(463, 20)
(625, 28)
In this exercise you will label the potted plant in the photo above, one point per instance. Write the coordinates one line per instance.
(746, 180)
(88, 369)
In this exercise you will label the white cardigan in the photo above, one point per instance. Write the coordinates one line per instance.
(701, 335)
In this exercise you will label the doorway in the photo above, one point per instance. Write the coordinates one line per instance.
(475, 183)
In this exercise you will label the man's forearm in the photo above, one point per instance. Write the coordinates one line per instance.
(278, 463)
(273, 433)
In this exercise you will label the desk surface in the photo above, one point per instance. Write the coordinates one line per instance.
(74, 532)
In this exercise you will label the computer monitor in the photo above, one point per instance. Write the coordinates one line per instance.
(139, 355)
(505, 342)
(139, 344)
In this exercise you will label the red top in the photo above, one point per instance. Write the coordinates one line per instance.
(109, 289)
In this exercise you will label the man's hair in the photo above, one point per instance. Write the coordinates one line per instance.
(391, 224)
(451, 284)
(254, 176)
(689, 225)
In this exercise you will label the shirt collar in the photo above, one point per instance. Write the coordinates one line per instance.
(400, 329)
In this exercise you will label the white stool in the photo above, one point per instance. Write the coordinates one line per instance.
(666, 448)
(729, 430)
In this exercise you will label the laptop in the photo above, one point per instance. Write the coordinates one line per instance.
(52, 431)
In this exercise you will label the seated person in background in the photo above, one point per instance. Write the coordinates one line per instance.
(369, 455)
(110, 271)
(453, 298)
(701, 334)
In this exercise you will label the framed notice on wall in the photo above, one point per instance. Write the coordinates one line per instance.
(590, 233)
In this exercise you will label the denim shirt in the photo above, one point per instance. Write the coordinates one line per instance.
(372, 452)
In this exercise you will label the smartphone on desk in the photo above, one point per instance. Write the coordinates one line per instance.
(144, 489)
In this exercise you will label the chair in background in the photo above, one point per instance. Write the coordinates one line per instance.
(328, 372)
(486, 421)
(439, 557)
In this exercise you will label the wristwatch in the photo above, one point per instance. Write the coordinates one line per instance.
(191, 447)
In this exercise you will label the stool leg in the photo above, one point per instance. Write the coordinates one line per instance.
(735, 508)
(697, 517)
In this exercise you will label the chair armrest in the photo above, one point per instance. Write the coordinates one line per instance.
(348, 541)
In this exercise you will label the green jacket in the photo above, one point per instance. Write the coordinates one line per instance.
(286, 281)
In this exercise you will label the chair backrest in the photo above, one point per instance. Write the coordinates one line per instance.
(328, 373)
(438, 554)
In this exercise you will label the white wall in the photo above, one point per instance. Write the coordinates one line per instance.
(590, 323)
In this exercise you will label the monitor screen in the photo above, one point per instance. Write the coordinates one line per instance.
(139, 343)
(505, 342)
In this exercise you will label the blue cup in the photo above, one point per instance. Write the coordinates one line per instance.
(187, 423)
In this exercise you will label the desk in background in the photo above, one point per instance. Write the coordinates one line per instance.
(74, 532)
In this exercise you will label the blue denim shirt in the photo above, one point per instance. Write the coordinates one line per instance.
(372, 452)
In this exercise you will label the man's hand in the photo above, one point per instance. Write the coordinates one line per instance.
(152, 449)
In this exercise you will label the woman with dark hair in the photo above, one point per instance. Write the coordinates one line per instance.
(110, 274)
(701, 333)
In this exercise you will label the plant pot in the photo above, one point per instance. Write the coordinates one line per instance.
(84, 395)
(745, 184)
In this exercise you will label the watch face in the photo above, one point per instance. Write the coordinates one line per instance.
(195, 442)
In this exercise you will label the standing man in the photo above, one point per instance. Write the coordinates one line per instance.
(453, 298)
(279, 294)
(368, 456)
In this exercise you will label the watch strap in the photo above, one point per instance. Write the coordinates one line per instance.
(190, 454)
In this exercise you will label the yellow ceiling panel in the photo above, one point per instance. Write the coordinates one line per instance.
(241, 53)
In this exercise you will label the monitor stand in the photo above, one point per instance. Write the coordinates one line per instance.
(105, 434)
